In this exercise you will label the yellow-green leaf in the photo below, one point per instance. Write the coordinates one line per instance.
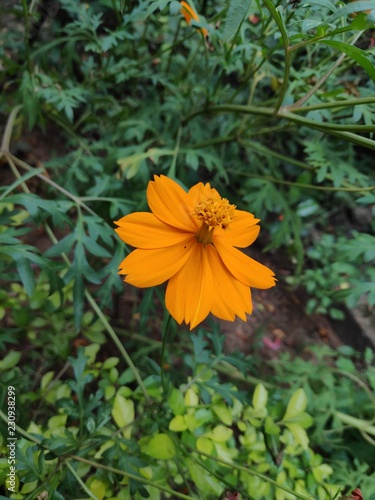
(123, 414)
(296, 405)
(299, 435)
(205, 445)
(224, 414)
(260, 398)
(178, 424)
(191, 397)
(161, 447)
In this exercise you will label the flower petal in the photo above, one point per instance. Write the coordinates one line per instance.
(144, 230)
(168, 201)
(247, 270)
(150, 267)
(231, 297)
(242, 232)
(190, 292)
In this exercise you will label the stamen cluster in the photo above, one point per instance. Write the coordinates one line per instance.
(215, 212)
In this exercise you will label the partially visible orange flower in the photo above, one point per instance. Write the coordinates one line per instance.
(190, 239)
(190, 15)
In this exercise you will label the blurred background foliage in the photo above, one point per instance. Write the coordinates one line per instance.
(276, 109)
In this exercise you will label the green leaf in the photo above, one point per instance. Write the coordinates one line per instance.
(299, 435)
(191, 398)
(323, 3)
(352, 8)
(235, 16)
(360, 56)
(78, 299)
(220, 433)
(176, 402)
(160, 447)
(224, 414)
(178, 424)
(123, 414)
(26, 273)
(204, 445)
(270, 427)
(209, 485)
(260, 398)
(361, 22)
(303, 419)
(296, 405)
(10, 360)
(321, 472)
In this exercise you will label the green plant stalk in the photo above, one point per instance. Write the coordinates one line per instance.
(250, 471)
(229, 370)
(367, 438)
(359, 424)
(140, 479)
(223, 366)
(344, 132)
(172, 168)
(118, 343)
(287, 63)
(221, 478)
(302, 185)
(175, 37)
(283, 113)
(258, 147)
(27, 32)
(175, 494)
(358, 381)
(325, 77)
(66, 193)
(8, 130)
(20, 179)
(90, 298)
(165, 334)
(211, 364)
(337, 104)
(79, 481)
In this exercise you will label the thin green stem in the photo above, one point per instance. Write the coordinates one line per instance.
(166, 329)
(220, 477)
(336, 104)
(117, 342)
(8, 129)
(207, 367)
(232, 465)
(344, 132)
(325, 77)
(215, 140)
(88, 295)
(27, 33)
(222, 366)
(172, 168)
(21, 431)
(169, 62)
(20, 179)
(96, 465)
(358, 381)
(269, 152)
(287, 63)
(49, 181)
(80, 482)
(140, 479)
(303, 185)
(230, 371)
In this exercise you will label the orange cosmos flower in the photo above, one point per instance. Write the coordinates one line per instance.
(190, 239)
(190, 15)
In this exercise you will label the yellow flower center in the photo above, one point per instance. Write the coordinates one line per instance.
(213, 212)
